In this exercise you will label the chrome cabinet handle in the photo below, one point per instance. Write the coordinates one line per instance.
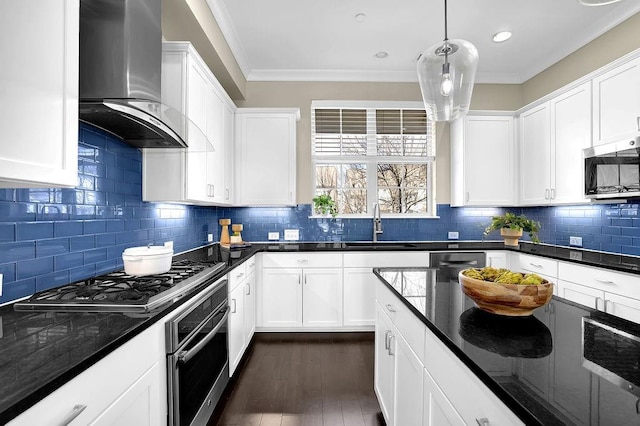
(303, 260)
(228, 193)
(553, 193)
(390, 308)
(604, 307)
(240, 275)
(546, 194)
(77, 409)
(185, 356)
(535, 265)
(483, 421)
(386, 339)
(467, 197)
(248, 289)
(607, 303)
(233, 311)
(390, 350)
(604, 281)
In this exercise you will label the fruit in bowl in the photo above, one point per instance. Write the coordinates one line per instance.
(504, 292)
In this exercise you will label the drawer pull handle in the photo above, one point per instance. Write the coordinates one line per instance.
(248, 289)
(604, 306)
(604, 281)
(483, 421)
(535, 265)
(303, 260)
(77, 409)
(390, 350)
(386, 340)
(390, 308)
(240, 275)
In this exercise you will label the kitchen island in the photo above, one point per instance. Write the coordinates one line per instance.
(538, 367)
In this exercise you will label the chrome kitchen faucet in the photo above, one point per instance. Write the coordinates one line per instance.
(377, 222)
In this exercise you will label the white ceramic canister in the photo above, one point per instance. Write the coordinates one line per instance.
(148, 260)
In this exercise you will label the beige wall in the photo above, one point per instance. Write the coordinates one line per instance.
(610, 46)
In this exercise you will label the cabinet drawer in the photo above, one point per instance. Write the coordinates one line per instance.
(237, 275)
(386, 259)
(539, 265)
(410, 327)
(601, 279)
(301, 260)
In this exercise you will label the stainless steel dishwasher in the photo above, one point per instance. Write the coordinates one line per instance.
(446, 289)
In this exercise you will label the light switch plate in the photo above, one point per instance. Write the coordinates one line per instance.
(169, 244)
(291, 234)
(209, 238)
(575, 241)
(453, 235)
(274, 236)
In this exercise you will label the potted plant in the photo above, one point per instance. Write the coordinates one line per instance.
(324, 205)
(511, 227)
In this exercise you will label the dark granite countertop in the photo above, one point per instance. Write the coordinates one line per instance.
(40, 351)
(535, 365)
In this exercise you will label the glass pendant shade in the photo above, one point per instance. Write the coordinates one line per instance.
(446, 72)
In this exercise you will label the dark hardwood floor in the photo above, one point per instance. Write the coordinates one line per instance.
(290, 379)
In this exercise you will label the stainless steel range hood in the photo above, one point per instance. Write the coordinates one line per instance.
(120, 73)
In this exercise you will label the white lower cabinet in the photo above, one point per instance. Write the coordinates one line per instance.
(384, 366)
(409, 386)
(301, 290)
(135, 395)
(615, 293)
(242, 308)
(437, 409)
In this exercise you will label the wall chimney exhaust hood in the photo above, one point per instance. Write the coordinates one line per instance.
(120, 73)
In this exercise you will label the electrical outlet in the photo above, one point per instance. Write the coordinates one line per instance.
(291, 234)
(209, 238)
(169, 244)
(0, 284)
(274, 236)
(453, 235)
(575, 241)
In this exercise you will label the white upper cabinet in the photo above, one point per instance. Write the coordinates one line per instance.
(266, 156)
(483, 161)
(552, 137)
(197, 174)
(39, 93)
(616, 103)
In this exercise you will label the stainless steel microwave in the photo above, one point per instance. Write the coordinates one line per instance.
(613, 170)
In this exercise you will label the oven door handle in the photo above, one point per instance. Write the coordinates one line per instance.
(185, 356)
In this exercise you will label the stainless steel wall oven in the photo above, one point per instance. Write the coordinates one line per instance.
(197, 356)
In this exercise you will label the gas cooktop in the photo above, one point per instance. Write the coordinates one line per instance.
(119, 292)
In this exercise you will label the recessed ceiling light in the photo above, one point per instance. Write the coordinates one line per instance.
(382, 55)
(501, 36)
(360, 17)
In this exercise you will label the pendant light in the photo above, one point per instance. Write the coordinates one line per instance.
(446, 72)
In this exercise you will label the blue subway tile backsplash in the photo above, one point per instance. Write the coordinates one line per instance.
(51, 236)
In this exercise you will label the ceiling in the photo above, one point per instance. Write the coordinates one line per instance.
(311, 40)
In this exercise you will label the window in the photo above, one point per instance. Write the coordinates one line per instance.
(365, 154)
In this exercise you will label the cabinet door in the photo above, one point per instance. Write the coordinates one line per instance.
(571, 383)
(281, 297)
(623, 307)
(534, 156)
(215, 133)
(359, 297)
(583, 295)
(138, 405)
(497, 259)
(616, 112)
(322, 297)
(266, 160)
(39, 93)
(408, 385)
(384, 366)
(437, 409)
(236, 327)
(249, 307)
(571, 128)
(486, 160)
(229, 134)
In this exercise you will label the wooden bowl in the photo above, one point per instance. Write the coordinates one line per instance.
(506, 299)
